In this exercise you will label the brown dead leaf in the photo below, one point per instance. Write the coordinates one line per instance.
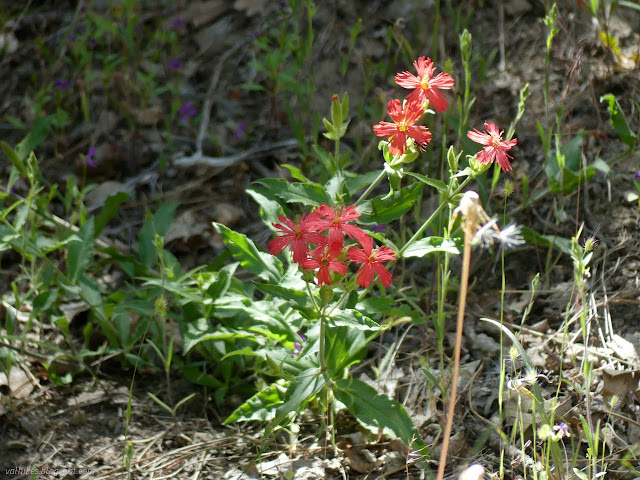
(619, 383)
(250, 7)
(19, 383)
(185, 227)
(201, 13)
(150, 116)
(361, 459)
(98, 195)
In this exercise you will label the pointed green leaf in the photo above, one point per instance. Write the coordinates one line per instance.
(110, 209)
(300, 392)
(428, 245)
(262, 406)
(344, 346)
(218, 288)
(14, 157)
(354, 319)
(378, 411)
(80, 251)
(312, 195)
(432, 182)
(385, 209)
(266, 266)
(35, 137)
(618, 120)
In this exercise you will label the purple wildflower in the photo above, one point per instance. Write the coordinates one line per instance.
(178, 24)
(70, 38)
(297, 346)
(378, 228)
(242, 128)
(186, 111)
(89, 157)
(638, 174)
(562, 430)
(91, 43)
(175, 64)
(61, 84)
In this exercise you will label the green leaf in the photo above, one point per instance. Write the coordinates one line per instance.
(270, 206)
(429, 245)
(266, 266)
(344, 346)
(386, 209)
(218, 288)
(18, 162)
(103, 25)
(618, 120)
(203, 330)
(163, 218)
(159, 225)
(302, 390)
(378, 411)
(533, 237)
(35, 137)
(432, 182)
(312, 195)
(80, 251)
(564, 168)
(354, 319)
(262, 406)
(357, 182)
(110, 210)
(297, 174)
(299, 297)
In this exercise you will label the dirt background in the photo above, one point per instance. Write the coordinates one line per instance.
(83, 426)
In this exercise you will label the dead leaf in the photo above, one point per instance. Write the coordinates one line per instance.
(361, 459)
(150, 116)
(250, 7)
(98, 195)
(624, 349)
(185, 227)
(619, 383)
(19, 383)
(201, 13)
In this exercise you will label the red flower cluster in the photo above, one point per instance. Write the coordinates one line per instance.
(426, 93)
(328, 256)
(494, 147)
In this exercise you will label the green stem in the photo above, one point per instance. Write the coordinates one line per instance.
(325, 373)
(371, 187)
(433, 216)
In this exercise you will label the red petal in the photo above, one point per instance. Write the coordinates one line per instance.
(437, 100)
(407, 80)
(384, 274)
(443, 81)
(365, 275)
(279, 243)
(385, 129)
(478, 137)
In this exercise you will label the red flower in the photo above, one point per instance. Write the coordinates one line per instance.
(495, 148)
(403, 127)
(324, 258)
(336, 221)
(370, 259)
(297, 235)
(425, 86)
